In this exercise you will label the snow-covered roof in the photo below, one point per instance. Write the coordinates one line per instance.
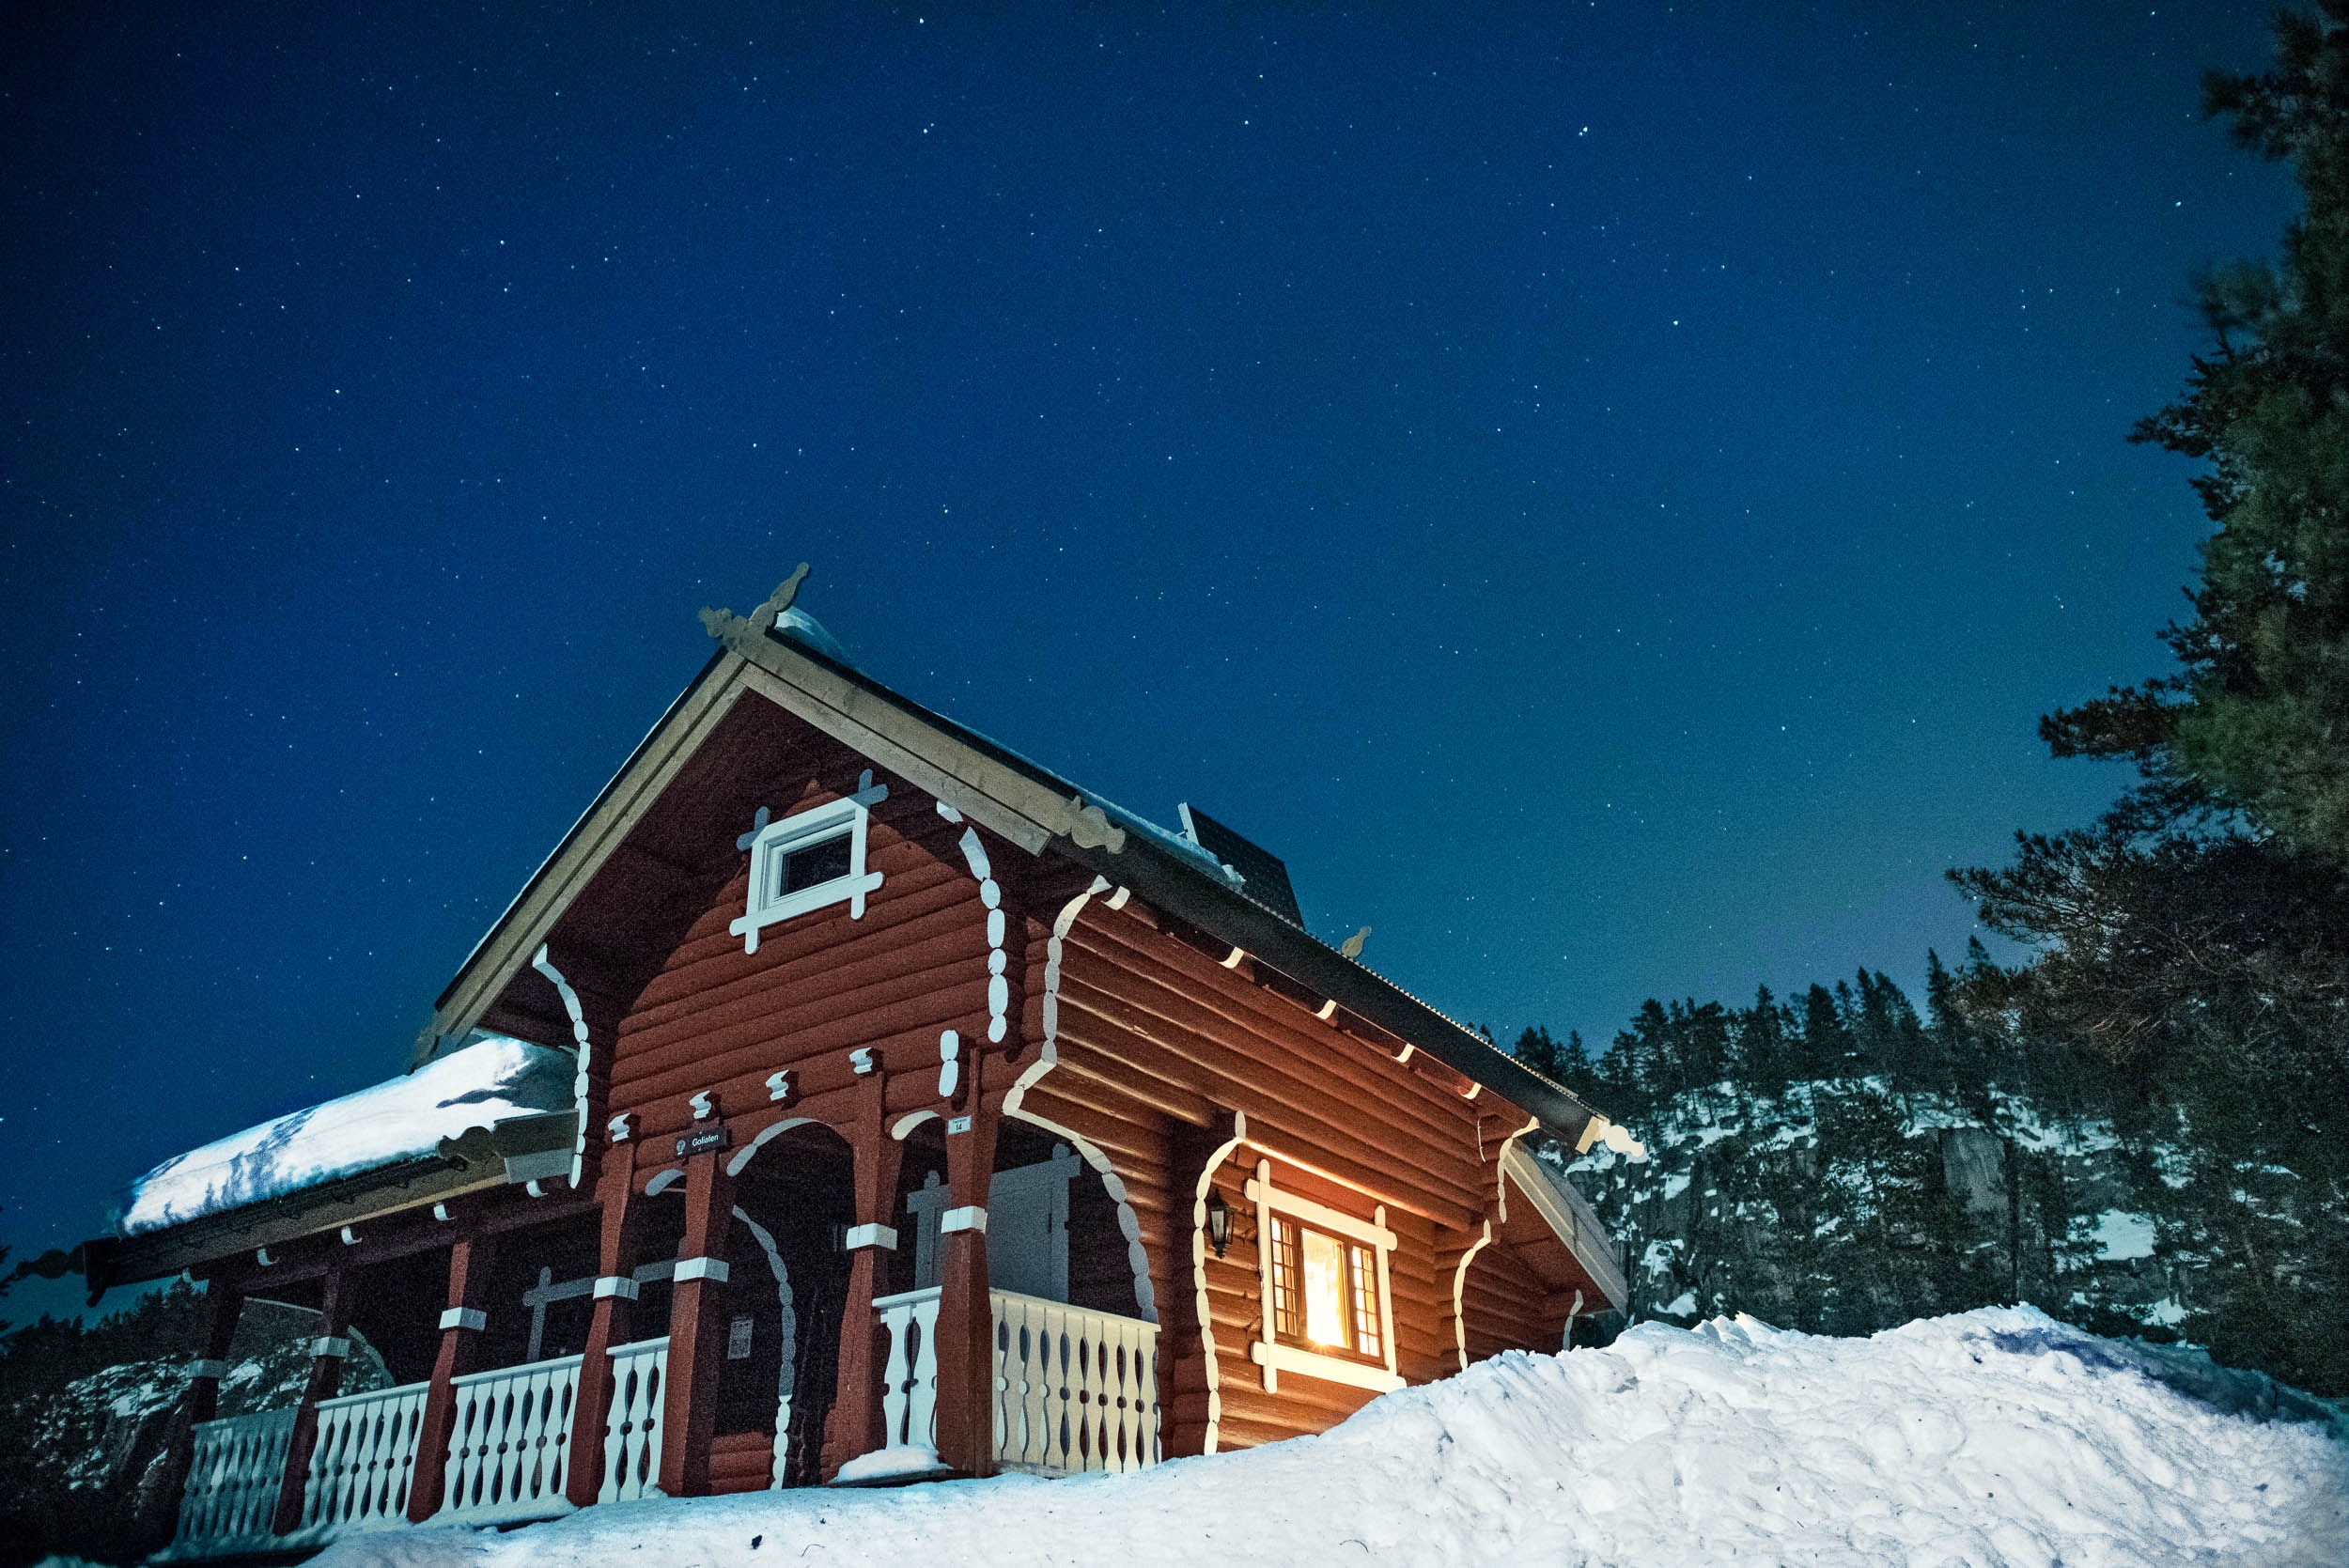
(495, 1081)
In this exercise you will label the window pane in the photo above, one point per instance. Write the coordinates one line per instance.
(1324, 1291)
(1365, 1267)
(1285, 1314)
(818, 863)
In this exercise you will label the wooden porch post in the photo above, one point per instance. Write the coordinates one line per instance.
(689, 1406)
(469, 1262)
(966, 1317)
(622, 1210)
(854, 1426)
(224, 1304)
(326, 1377)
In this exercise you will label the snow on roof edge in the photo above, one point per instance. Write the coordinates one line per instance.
(496, 1080)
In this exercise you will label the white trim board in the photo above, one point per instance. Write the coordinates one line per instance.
(1329, 1369)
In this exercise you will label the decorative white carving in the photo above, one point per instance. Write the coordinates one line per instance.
(869, 1235)
(949, 1066)
(579, 1034)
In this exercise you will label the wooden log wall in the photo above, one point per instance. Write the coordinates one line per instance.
(718, 1019)
(1504, 1306)
(743, 1462)
(1156, 1040)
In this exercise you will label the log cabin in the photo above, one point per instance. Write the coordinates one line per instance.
(849, 1100)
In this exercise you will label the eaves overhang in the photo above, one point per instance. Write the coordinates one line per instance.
(461, 1166)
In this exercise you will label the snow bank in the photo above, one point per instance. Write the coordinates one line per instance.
(480, 1086)
(1998, 1436)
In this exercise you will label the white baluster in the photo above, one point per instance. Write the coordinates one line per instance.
(509, 1442)
(632, 1441)
(1076, 1389)
(231, 1491)
(909, 1369)
(896, 1320)
(361, 1466)
(921, 1408)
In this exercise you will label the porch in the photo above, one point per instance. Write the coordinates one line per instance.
(1075, 1391)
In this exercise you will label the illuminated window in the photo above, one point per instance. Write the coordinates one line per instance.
(1325, 1292)
(1325, 1300)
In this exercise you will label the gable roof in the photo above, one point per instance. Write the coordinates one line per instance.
(797, 666)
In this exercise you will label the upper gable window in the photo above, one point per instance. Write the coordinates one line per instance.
(810, 860)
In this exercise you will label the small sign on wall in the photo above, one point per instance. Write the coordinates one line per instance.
(739, 1340)
(702, 1141)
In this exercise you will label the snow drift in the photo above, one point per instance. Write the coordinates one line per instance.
(1998, 1436)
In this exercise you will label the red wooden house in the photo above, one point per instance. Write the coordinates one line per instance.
(848, 1099)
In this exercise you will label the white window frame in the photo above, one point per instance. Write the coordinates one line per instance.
(775, 843)
(1267, 1351)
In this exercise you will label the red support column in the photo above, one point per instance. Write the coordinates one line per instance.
(326, 1377)
(614, 1308)
(201, 1402)
(966, 1317)
(855, 1423)
(469, 1262)
(689, 1408)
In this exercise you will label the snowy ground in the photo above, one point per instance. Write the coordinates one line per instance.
(1993, 1438)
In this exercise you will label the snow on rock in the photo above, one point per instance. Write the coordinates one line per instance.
(1993, 1438)
(480, 1086)
(2121, 1236)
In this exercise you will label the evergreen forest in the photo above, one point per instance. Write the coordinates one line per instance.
(2140, 1127)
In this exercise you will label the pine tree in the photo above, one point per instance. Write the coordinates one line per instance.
(2193, 945)
(2256, 718)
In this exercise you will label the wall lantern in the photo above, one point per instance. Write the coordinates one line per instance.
(1219, 1220)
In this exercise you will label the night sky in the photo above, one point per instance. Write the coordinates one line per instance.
(1603, 490)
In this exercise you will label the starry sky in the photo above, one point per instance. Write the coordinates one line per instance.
(1603, 490)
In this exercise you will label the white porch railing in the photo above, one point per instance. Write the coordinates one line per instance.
(1074, 1390)
(230, 1500)
(631, 1434)
(509, 1442)
(364, 1460)
(509, 1449)
(909, 1374)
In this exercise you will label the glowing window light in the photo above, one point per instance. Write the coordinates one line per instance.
(1325, 1292)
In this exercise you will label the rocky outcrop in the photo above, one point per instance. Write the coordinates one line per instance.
(84, 1470)
(1848, 1204)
